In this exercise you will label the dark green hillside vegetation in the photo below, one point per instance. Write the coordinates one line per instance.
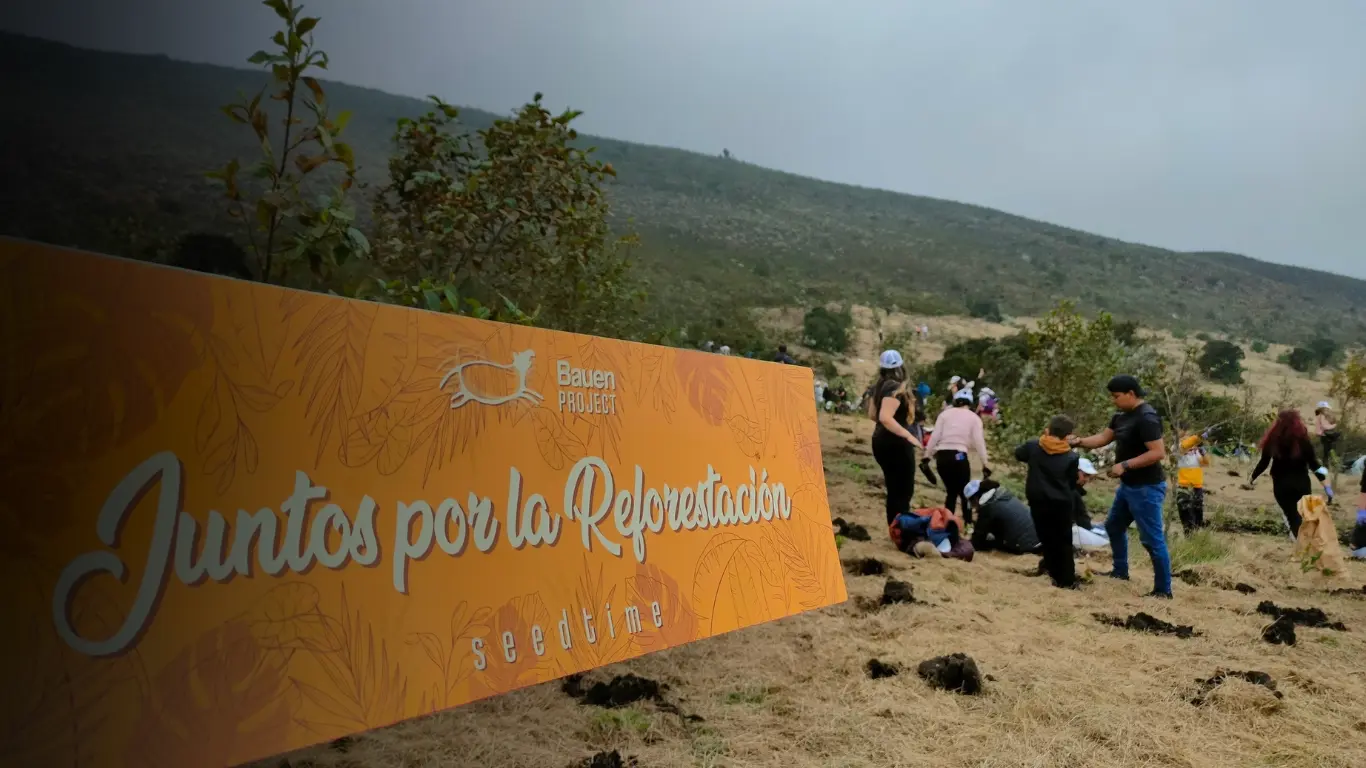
(108, 151)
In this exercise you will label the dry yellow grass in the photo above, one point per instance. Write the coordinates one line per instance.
(1067, 691)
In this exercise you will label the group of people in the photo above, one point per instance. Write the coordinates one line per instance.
(1053, 519)
(1055, 483)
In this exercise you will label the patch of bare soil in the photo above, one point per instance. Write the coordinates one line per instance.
(956, 672)
(1143, 622)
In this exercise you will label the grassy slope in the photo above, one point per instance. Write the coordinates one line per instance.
(107, 139)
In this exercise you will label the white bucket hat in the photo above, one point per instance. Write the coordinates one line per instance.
(1086, 466)
(963, 394)
(890, 359)
(1325, 404)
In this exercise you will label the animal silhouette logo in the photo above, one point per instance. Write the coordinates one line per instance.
(520, 365)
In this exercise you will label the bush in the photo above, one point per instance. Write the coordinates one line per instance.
(1202, 336)
(986, 309)
(1222, 361)
(1300, 359)
(1325, 352)
(1260, 347)
(1003, 361)
(827, 331)
(1126, 333)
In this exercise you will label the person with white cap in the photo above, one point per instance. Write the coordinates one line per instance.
(894, 446)
(958, 432)
(1326, 427)
(1004, 522)
(1085, 533)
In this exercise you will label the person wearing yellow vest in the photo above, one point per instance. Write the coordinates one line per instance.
(1190, 482)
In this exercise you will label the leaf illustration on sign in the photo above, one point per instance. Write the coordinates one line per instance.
(96, 372)
(387, 418)
(331, 351)
(449, 651)
(748, 435)
(705, 382)
(361, 687)
(517, 617)
(734, 584)
(289, 618)
(558, 445)
(650, 585)
(54, 711)
(445, 431)
(656, 386)
(594, 595)
(222, 696)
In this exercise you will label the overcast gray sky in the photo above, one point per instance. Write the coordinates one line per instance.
(1233, 125)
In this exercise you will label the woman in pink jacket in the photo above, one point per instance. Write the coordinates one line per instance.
(958, 432)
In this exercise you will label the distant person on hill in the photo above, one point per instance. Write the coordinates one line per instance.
(783, 357)
(1287, 450)
(1190, 482)
(894, 446)
(1136, 432)
(922, 394)
(1050, 488)
(725, 350)
(1004, 522)
(1326, 427)
(988, 407)
(958, 432)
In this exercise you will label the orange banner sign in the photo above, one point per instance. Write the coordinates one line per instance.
(241, 519)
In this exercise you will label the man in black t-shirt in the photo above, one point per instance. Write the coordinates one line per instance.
(1136, 431)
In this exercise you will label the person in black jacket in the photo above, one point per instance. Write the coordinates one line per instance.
(1003, 522)
(1288, 451)
(1050, 488)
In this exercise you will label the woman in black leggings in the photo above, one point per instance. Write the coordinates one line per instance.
(1286, 448)
(893, 444)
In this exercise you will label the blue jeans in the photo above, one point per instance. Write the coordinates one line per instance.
(1141, 504)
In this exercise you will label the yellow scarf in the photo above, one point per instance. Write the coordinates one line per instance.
(1053, 445)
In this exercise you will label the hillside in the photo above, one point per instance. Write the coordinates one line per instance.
(107, 151)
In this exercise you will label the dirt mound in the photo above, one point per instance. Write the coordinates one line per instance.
(1351, 592)
(1280, 632)
(1246, 589)
(865, 566)
(880, 669)
(897, 592)
(1252, 676)
(956, 672)
(1302, 617)
(621, 691)
(1142, 622)
(851, 531)
(611, 759)
(1190, 577)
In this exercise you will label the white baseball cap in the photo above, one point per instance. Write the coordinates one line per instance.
(890, 359)
(1086, 466)
(1325, 404)
(955, 379)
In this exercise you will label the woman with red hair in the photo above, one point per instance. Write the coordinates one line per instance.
(1286, 448)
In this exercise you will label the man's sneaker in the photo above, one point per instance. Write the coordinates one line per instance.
(1159, 595)
(1113, 575)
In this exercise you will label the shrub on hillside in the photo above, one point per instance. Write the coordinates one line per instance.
(827, 331)
(1326, 352)
(1300, 359)
(1260, 347)
(1222, 362)
(1002, 362)
(986, 309)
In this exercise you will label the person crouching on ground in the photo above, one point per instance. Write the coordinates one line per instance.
(1190, 482)
(1136, 431)
(894, 446)
(1050, 490)
(958, 431)
(1004, 523)
(1085, 534)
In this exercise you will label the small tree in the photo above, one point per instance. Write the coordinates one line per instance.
(1222, 362)
(286, 228)
(1070, 361)
(524, 225)
(1174, 392)
(1349, 389)
(827, 331)
(1301, 359)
